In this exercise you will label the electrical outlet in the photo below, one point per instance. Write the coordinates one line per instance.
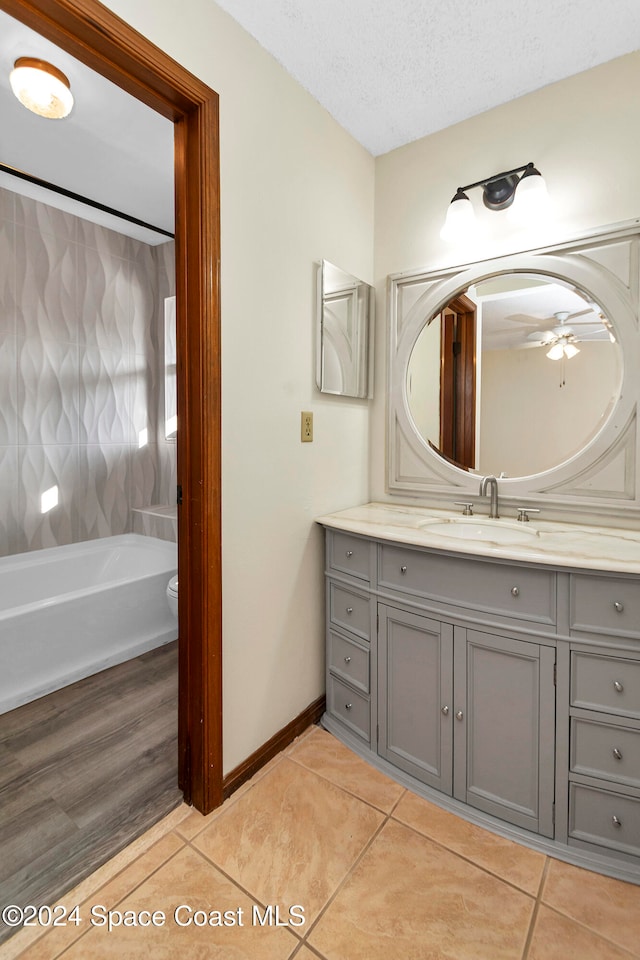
(306, 426)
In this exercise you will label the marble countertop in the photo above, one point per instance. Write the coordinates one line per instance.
(538, 541)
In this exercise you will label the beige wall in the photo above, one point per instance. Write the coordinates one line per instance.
(537, 412)
(294, 188)
(583, 134)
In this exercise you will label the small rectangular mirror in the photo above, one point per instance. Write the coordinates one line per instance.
(344, 325)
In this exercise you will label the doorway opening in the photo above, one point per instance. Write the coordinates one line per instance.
(102, 41)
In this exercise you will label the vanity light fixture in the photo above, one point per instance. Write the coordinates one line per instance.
(41, 88)
(524, 187)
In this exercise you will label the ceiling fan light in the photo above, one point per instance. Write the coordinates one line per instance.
(556, 352)
(460, 220)
(41, 88)
(570, 350)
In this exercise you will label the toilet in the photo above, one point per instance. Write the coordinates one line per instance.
(172, 595)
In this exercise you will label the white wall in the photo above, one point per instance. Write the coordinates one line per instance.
(582, 133)
(294, 188)
(537, 412)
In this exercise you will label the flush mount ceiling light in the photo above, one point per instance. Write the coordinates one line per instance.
(41, 88)
(523, 189)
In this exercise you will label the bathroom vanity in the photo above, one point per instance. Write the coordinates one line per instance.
(494, 667)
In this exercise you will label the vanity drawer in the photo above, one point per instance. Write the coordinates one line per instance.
(348, 554)
(608, 605)
(611, 684)
(513, 591)
(349, 660)
(350, 707)
(605, 750)
(349, 610)
(605, 818)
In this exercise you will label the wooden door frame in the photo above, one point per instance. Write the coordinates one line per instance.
(458, 395)
(96, 36)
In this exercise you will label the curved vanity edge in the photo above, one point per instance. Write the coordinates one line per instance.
(574, 546)
(615, 868)
(424, 641)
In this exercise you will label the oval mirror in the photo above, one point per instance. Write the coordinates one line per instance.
(514, 375)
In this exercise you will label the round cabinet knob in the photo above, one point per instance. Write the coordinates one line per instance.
(445, 711)
(349, 609)
(616, 821)
(347, 659)
(618, 607)
(617, 686)
(349, 553)
(515, 591)
(459, 715)
(617, 754)
(348, 706)
(403, 569)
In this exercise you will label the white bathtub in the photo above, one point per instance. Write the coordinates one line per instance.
(68, 612)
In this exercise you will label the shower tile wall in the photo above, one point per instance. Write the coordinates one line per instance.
(81, 391)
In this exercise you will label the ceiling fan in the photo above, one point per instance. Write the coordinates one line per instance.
(562, 339)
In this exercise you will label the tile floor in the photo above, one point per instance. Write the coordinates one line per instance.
(381, 874)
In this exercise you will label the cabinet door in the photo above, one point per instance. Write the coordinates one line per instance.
(415, 658)
(504, 728)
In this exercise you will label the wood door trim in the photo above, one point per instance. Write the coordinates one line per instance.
(100, 39)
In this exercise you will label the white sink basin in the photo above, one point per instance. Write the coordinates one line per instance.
(481, 529)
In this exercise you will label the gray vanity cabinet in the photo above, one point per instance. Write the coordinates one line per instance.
(504, 728)
(511, 688)
(470, 714)
(415, 656)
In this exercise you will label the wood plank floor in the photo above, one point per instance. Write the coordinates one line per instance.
(83, 772)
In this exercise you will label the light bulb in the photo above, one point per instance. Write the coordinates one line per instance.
(531, 201)
(570, 350)
(460, 221)
(556, 352)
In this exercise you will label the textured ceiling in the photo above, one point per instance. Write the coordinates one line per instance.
(391, 71)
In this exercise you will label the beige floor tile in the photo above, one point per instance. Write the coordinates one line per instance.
(410, 898)
(110, 893)
(304, 953)
(291, 839)
(196, 822)
(557, 938)
(324, 754)
(192, 883)
(610, 907)
(511, 861)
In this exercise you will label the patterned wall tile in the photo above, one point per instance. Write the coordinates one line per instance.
(47, 391)
(167, 472)
(7, 277)
(143, 471)
(41, 470)
(81, 376)
(11, 536)
(7, 205)
(103, 502)
(46, 219)
(104, 397)
(45, 286)
(144, 305)
(104, 300)
(107, 242)
(144, 385)
(8, 390)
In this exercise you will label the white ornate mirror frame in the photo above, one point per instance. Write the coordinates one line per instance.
(599, 483)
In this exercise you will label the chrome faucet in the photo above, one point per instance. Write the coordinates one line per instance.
(492, 483)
